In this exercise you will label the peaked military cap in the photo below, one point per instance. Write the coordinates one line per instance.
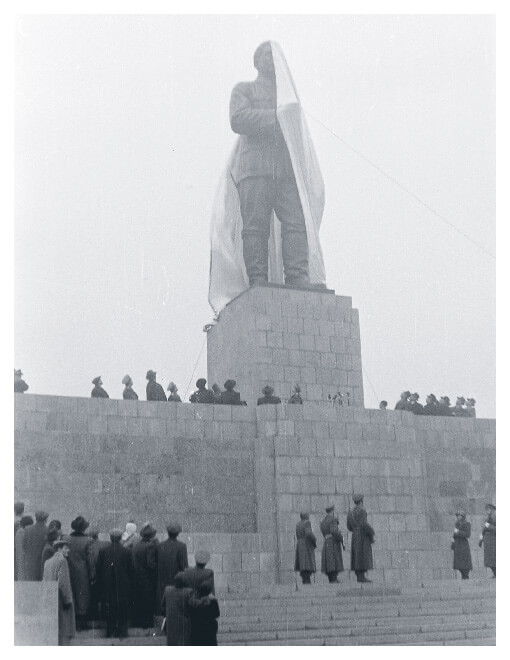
(96, 380)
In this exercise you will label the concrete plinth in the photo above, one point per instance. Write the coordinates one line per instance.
(280, 336)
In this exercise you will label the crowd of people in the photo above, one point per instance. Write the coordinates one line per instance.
(411, 402)
(126, 581)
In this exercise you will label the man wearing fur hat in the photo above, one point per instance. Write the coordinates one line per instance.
(331, 559)
(193, 577)
(172, 558)
(128, 392)
(97, 391)
(361, 540)
(154, 390)
(56, 569)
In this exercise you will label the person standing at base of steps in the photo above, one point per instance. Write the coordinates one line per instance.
(304, 563)
(331, 559)
(460, 545)
(56, 569)
(488, 539)
(172, 556)
(177, 612)
(361, 539)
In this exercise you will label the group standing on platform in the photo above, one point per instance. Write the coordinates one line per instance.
(410, 402)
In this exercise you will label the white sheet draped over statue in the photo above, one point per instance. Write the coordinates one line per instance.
(228, 276)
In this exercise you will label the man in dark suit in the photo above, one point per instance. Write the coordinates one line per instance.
(33, 544)
(193, 577)
(172, 558)
(264, 177)
(154, 390)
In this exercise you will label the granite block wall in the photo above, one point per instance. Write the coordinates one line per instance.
(35, 614)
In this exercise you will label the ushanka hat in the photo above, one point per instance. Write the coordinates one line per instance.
(79, 524)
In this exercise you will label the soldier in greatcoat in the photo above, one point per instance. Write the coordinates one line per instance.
(115, 582)
(154, 390)
(98, 392)
(146, 574)
(460, 545)
(331, 559)
(194, 577)
(177, 612)
(81, 569)
(488, 539)
(33, 544)
(361, 539)
(306, 543)
(56, 569)
(172, 558)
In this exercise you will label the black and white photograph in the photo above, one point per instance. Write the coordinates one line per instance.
(254, 287)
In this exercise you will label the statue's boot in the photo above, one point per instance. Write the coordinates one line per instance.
(255, 254)
(295, 258)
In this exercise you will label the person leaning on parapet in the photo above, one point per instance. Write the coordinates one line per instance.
(194, 577)
(296, 395)
(443, 407)
(172, 558)
(20, 385)
(460, 545)
(414, 405)
(56, 569)
(430, 407)
(202, 394)
(128, 392)
(173, 396)
(361, 541)
(488, 539)
(268, 397)
(33, 544)
(383, 405)
(331, 558)
(403, 402)
(470, 408)
(97, 391)
(304, 562)
(153, 389)
(229, 396)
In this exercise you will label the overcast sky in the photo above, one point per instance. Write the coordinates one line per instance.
(122, 133)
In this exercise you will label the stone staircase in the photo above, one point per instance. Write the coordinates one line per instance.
(451, 613)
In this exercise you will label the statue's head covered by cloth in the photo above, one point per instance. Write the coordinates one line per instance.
(269, 203)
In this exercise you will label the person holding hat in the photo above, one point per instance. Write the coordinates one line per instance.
(304, 563)
(488, 539)
(81, 569)
(145, 562)
(115, 573)
(33, 544)
(153, 389)
(56, 569)
(172, 558)
(403, 402)
(268, 397)
(19, 552)
(202, 394)
(296, 395)
(229, 396)
(19, 384)
(177, 612)
(331, 558)
(193, 577)
(129, 392)
(361, 540)
(470, 408)
(414, 405)
(173, 396)
(97, 391)
(460, 545)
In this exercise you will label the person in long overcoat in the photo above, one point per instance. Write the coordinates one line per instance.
(98, 392)
(194, 577)
(177, 611)
(361, 541)
(460, 545)
(19, 551)
(115, 572)
(94, 613)
(81, 569)
(204, 614)
(146, 574)
(172, 558)
(49, 550)
(488, 538)
(306, 543)
(57, 569)
(33, 544)
(331, 559)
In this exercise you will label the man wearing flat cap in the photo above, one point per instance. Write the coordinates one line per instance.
(146, 574)
(97, 391)
(128, 392)
(331, 558)
(194, 577)
(488, 539)
(172, 557)
(154, 390)
(82, 569)
(19, 384)
(202, 394)
(268, 397)
(56, 569)
(229, 396)
(306, 543)
(115, 574)
(34, 541)
(361, 540)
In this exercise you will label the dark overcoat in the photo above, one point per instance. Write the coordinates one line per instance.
(489, 541)
(34, 541)
(193, 577)
(331, 559)
(99, 393)
(177, 611)
(129, 394)
(19, 555)
(361, 539)
(57, 569)
(81, 570)
(305, 547)
(146, 575)
(172, 559)
(154, 391)
(202, 396)
(461, 550)
(231, 398)
(264, 400)
(114, 574)
(204, 625)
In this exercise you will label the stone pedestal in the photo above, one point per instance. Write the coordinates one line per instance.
(280, 336)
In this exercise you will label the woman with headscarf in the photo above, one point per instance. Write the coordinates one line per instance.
(460, 545)
(146, 575)
(19, 552)
(130, 537)
(81, 569)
